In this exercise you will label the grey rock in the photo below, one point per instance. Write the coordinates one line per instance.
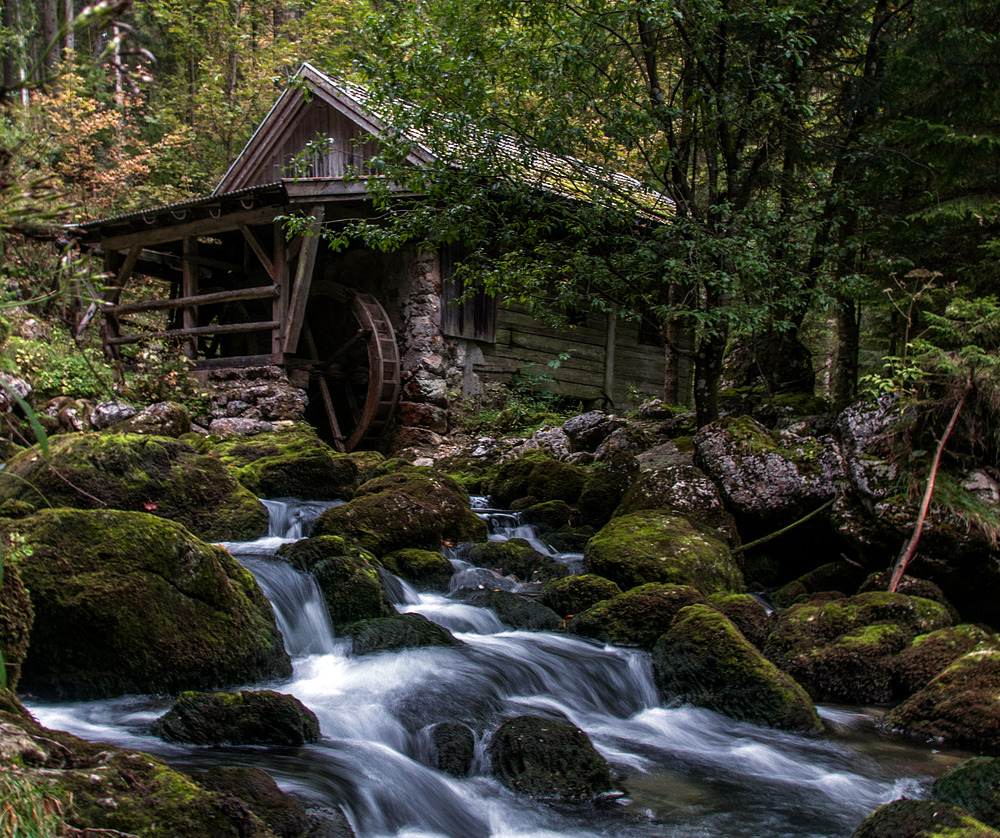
(109, 413)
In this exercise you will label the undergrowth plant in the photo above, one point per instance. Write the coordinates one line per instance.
(26, 811)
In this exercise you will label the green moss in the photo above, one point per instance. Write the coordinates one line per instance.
(703, 659)
(572, 595)
(515, 556)
(404, 631)
(136, 473)
(538, 476)
(931, 653)
(637, 617)
(659, 546)
(426, 569)
(350, 581)
(747, 613)
(126, 602)
(974, 786)
(292, 462)
(921, 819)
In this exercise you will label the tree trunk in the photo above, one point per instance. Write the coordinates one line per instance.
(50, 43)
(707, 372)
(844, 383)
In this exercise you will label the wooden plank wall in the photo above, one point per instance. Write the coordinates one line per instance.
(348, 149)
(524, 344)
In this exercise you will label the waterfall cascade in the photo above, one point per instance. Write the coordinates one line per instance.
(686, 771)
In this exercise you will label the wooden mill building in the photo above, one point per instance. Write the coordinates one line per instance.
(371, 334)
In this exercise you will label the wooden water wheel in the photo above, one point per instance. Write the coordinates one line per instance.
(353, 362)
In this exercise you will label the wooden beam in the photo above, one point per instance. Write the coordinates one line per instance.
(303, 282)
(197, 331)
(259, 251)
(279, 308)
(609, 357)
(189, 288)
(258, 292)
(200, 227)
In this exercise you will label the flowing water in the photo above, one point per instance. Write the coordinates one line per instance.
(687, 772)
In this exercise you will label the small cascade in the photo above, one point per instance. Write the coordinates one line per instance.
(689, 772)
(504, 526)
(292, 519)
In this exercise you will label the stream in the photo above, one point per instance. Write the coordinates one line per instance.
(687, 772)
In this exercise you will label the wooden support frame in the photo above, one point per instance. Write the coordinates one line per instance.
(259, 292)
(197, 331)
(303, 281)
(189, 288)
(279, 308)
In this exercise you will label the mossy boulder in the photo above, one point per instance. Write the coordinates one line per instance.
(703, 659)
(126, 602)
(349, 580)
(572, 595)
(768, 476)
(921, 819)
(637, 617)
(548, 758)
(404, 509)
(832, 576)
(516, 611)
(453, 748)
(254, 787)
(515, 556)
(160, 419)
(293, 462)
(16, 613)
(472, 473)
(605, 488)
(660, 546)
(911, 586)
(424, 569)
(552, 514)
(539, 477)
(248, 717)
(681, 487)
(959, 708)
(846, 649)
(133, 473)
(930, 654)
(100, 788)
(389, 634)
(747, 613)
(136, 794)
(974, 786)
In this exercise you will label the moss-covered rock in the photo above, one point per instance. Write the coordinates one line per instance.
(517, 611)
(683, 488)
(159, 419)
(703, 659)
(472, 473)
(16, 614)
(973, 786)
(832, 576)
(424, 569)
(921, 819)
(659, 546)
(605, 488)
(637, 617)
(292, 462)
(930, 654)
(747, 613)
(350, 581)
(572, 595)
(538, 477)
(960, 708)
(911, 586)
(248, 717)
(254, 787)
(453, 748)
(548, 758)
(126, 602)
(515, 556)
(389, 634)
(551, 513)
(404, 509)
(164, 477)
(846, 649)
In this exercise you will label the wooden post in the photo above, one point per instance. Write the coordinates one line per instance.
(189, 288)
(303, 281)
(279, 308)
(609, 357)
